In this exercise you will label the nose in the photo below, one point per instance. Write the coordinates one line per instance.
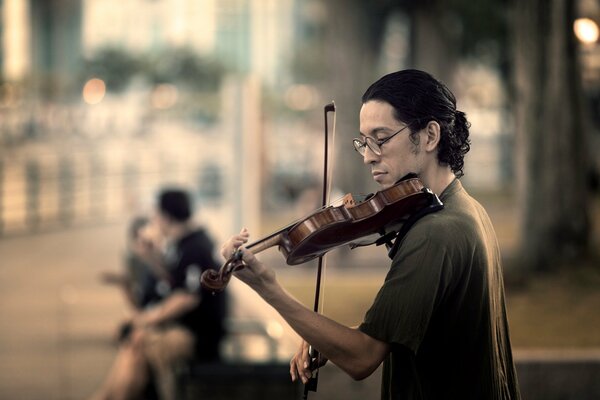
(369, 156)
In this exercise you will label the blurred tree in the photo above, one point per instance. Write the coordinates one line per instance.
(197, 79)
(551, 137)
(444, 32)
(115, 66)
(183, 65)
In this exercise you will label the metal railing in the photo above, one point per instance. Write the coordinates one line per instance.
(43, 190)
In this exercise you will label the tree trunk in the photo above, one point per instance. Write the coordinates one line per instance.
(433, 47)
(551, 152)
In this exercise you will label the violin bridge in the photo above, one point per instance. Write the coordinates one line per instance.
(349, 200)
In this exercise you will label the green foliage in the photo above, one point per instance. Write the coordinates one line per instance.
(113, 65)
(172, 65)
(182, 65)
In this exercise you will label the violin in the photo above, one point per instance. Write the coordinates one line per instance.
(352, 223)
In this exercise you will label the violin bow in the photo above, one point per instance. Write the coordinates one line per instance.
(314, 355)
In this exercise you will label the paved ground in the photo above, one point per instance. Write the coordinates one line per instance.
(58, 319)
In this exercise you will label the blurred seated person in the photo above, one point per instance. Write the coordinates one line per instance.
(144, 277)
(185, 323)
(139, 280)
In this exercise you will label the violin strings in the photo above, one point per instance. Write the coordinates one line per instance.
(297, 220)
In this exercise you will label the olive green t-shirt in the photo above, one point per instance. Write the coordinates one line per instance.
(441, 309)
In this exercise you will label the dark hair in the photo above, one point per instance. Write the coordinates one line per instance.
(175, 204)
(418, 98)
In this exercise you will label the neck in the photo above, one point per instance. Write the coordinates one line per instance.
(179, 230)
(438, 179)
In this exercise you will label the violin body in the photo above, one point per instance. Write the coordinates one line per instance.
(341, 225)
(332, 227)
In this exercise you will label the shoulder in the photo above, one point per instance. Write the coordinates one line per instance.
(441, 224)
(196, 238)
(198, 248)
(456, 226)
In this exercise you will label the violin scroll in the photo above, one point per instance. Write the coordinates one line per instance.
(217, 280)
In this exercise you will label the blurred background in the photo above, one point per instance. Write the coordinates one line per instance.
(104, 102)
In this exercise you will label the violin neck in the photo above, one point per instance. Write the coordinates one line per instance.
(265, 243)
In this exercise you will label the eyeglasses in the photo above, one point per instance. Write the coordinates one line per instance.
(374, 145)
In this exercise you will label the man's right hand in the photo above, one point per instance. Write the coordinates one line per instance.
(300, 365)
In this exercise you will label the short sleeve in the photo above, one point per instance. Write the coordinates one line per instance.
(193, 274)
(402, 309)
(195, 256)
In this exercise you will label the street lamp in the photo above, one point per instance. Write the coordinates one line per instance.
(586, 30)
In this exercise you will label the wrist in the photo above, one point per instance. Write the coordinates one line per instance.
(146, 319)
(270, 289)
(139, 322)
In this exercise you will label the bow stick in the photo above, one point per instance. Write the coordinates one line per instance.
(314, 355)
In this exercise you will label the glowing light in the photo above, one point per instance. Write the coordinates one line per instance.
(586, 30)
(16, 38)
(274, 329)
(164, 96)
(94, 91)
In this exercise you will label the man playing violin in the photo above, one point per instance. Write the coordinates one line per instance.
(438, 324)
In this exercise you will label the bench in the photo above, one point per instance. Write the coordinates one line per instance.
(559, 374)
(240, 374)
(227, 380)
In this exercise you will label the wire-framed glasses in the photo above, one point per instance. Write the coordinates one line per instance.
(360, 145)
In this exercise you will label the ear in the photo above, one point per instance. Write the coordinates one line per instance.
(433, 132)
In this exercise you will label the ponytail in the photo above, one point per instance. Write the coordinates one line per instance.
(455, 143)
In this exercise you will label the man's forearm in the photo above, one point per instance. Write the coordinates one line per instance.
(350, 349)
(170, 309)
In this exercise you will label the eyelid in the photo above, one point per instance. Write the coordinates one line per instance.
(372, 136)
(375, 134)
(378, 132)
